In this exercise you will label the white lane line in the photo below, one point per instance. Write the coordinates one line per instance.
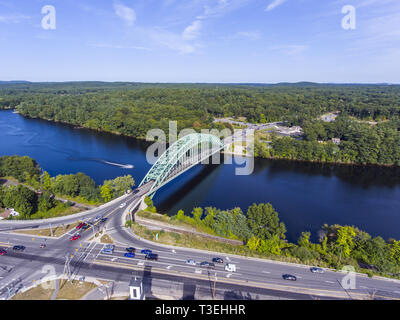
(363, 287)
(329, 282)
(91, 249)
(396, 292)
(266, 272)
(229, 275)
(198, 271)
(140, 263)
(169, 267)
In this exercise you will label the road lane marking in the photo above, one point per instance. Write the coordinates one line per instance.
(266, 272)
(198, 271)
(329, 282)
(298, 289)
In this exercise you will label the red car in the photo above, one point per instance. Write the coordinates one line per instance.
(79, 226)
(3, 252)
(75, 237)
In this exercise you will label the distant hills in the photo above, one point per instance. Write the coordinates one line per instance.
(103, 84)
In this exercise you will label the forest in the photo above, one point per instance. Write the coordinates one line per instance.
(132, 109)
(33, 190)
(262, 232)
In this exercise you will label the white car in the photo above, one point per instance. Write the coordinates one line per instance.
(230, 267)
(122, 205)
(191, 262)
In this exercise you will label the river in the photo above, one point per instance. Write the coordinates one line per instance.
(305, 195)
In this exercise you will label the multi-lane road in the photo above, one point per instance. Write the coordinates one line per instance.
(253, 276)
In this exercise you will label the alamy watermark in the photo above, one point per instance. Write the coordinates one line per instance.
(349, 281)
(49, 20)
(238, 146)
(349, 21)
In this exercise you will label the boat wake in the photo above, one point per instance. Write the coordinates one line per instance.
(125, 166)
(116, 164)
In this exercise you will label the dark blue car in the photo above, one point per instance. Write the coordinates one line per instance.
(146, 251)
(129, 255)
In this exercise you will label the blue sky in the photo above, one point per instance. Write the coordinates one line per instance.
(265, 41)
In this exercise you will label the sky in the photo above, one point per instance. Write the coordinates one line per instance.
(227, 41)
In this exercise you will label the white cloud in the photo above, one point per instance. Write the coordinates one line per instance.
(172, 41)
(250, 35)
(13, 18)
(192, 32)
(274, 4)
(125, 13)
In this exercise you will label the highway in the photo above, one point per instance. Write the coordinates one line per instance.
(254, 276)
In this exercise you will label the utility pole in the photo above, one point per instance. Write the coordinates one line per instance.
(215, 283)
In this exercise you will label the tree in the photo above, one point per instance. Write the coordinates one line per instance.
(395, 251)
(253, 243)
(45, 202)
(106, 192)
(46, 181)
(270, 246)
(264, 222)
(150, 204)
(121, 184)
(345, 240)
(197, 213)
(304, 240)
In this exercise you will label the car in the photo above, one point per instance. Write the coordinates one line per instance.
(207, 264)
(108, 249)
(129, 255)
(218, 260)
(2, 252)
(75, 237)
(146, 251)
(85, 226)
(97, 218)
(151, 256)
(230, 267)
(122, 205)
(79, 226)
(130, 249)
(191, 262)
(289, 277)
(103, 220)
(18, 248)
(42, 246)
(316, 270)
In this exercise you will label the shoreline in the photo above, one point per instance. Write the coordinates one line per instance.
(143, 139)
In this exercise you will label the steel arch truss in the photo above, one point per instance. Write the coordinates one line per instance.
(181, 156)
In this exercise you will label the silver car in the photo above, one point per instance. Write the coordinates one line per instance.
(317, 270)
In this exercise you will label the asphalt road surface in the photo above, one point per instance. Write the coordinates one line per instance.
(253, 276)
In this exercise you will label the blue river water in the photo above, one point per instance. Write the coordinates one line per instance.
(305, 195)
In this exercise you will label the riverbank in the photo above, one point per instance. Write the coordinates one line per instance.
(171, 231)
